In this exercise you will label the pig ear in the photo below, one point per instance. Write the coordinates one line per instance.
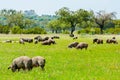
(9, 67)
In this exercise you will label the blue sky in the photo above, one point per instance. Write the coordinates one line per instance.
(50, 6)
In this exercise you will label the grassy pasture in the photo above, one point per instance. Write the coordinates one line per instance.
(99, 62)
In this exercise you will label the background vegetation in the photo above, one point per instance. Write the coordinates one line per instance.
(65, 21)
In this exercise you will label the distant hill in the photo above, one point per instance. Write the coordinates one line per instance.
(40, 20)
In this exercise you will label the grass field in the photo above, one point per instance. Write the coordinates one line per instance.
(98, 62)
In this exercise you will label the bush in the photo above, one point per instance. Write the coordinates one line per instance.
(85, 30)
(89, 31)
(16, 30)
(4, 29)
(35, 30)
(113, 30)
(97, 30)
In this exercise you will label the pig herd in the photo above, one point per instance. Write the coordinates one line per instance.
(78, 45)
(108, 41)
(27, 63)
(82, 45)
(37, 39)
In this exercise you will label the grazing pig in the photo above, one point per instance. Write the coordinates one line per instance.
(21, 41)
(95, 40)
(55, 37)
(74, 44)
(111, 41)
(27, 40)
(82, 45)
(36, 41)
(8, 41)
(108, 41)
(46, 42)
(38, 61)
(22, 62)
(24, 39)
(51, 41)
(39, 38)
(30, 40)
(113, 37)
(46, 38)
(114, 41)
(99, 41)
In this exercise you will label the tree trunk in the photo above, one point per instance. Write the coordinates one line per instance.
(101, 29)
(52, 31)
(72, 29)
(56, 31)
(63, 30)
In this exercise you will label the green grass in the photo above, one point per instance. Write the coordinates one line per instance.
(99, 62)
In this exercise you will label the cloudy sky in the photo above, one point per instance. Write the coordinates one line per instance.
(50, 6)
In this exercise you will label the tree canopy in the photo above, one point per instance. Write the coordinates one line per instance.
(73, 17)
(102, 18)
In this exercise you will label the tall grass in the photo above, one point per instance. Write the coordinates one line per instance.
(98, 62)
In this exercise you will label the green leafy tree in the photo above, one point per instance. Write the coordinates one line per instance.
(15, 19)
(73, 17)
(12, 17)
(54, 25)
(27, 23)
(64, 26)
(4, 29)
(51, 26)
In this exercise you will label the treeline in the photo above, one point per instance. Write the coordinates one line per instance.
(18, 30)
(19, 22)
(65, 21)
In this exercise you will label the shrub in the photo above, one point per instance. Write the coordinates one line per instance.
(35, 30)
(89, 31)
(97, 30)
(16, 30)
(85, 30)
(113, 30)
(4, 29)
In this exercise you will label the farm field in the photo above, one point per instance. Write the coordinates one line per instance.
(98, 62)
